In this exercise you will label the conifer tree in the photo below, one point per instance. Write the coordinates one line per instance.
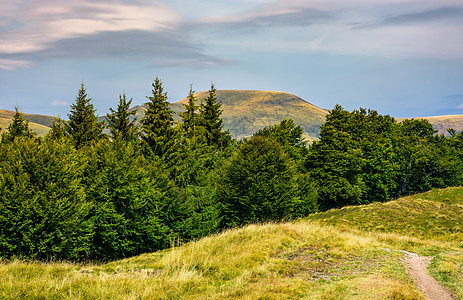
(158, 134)
(210, 119)
(18, 128)
(83, 126)
(57, 130)
(190, 116)
(119, 123)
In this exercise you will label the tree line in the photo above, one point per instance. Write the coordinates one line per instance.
(81, 194)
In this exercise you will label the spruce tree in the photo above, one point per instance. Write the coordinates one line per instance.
(83, 126)
(210, 119)
(57, 130)
(119, 123)
(19, 127)
(158, 133)
(189, 117)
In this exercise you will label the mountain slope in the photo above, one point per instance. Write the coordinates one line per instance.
(350, 253)
(37, 123)
(247, 111)
(442, 123)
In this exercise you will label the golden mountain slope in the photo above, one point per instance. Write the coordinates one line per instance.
(37, 123)
(247, 111)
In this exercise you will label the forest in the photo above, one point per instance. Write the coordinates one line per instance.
(92, 191)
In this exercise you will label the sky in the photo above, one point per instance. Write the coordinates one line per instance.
(399, 57)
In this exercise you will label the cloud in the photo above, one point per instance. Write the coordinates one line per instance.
(448, 14)
(49, 21)
(11, 64)
(157, 48)
(267, 18)
(59, 103)
(82, 29)
(390, 28)
(166, 34)
(439, 14)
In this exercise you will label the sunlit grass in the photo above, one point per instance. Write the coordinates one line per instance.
(274, 261)
(247, 111)
(435, 215)
(340, 254)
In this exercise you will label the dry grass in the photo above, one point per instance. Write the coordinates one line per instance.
(247, 111)
(442, 123)
(271, 261)
(337, 255)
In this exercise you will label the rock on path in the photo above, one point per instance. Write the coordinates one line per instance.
(417, 268)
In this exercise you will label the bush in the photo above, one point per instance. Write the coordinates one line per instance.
(261, 183)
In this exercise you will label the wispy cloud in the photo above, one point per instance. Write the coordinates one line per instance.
(49, 21)
(76, 29)
(160, 48)
(11, 64)
(266, 19)
(442, 15)
(59, 103)
(390, 28)
(165, 33)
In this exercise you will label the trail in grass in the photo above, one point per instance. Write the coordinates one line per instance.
(417, 268)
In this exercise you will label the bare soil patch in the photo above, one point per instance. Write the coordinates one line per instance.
(417, 268)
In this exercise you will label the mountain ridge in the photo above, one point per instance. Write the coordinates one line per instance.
(247, 111)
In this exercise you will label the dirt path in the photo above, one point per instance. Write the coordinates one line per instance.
(417, 268)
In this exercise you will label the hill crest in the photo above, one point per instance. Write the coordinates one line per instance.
(247, 111)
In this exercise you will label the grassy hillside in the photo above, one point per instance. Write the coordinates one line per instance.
(442, 123)
(38, 123)
(350, 253)
(245, 111)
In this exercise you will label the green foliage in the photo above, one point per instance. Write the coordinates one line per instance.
(210, 120)
(57, 130)
(129, 198)
(158, 134)
(260, 183)
(427, 160)
(18, 128)
(190, 117)
(290, 137)
(43, 207)
(363, 157)
(75, 195)
(119, 123)
(83, 126)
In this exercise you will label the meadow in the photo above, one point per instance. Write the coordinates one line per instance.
(349, 253)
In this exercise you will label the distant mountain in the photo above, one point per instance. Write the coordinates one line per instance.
(37, 123)
(441, 123)
(245, 111)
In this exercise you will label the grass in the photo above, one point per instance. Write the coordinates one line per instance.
(38, 123)
(272, 261)
(436, 215)
(442, 123)
(349, 253)
(246, 111)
